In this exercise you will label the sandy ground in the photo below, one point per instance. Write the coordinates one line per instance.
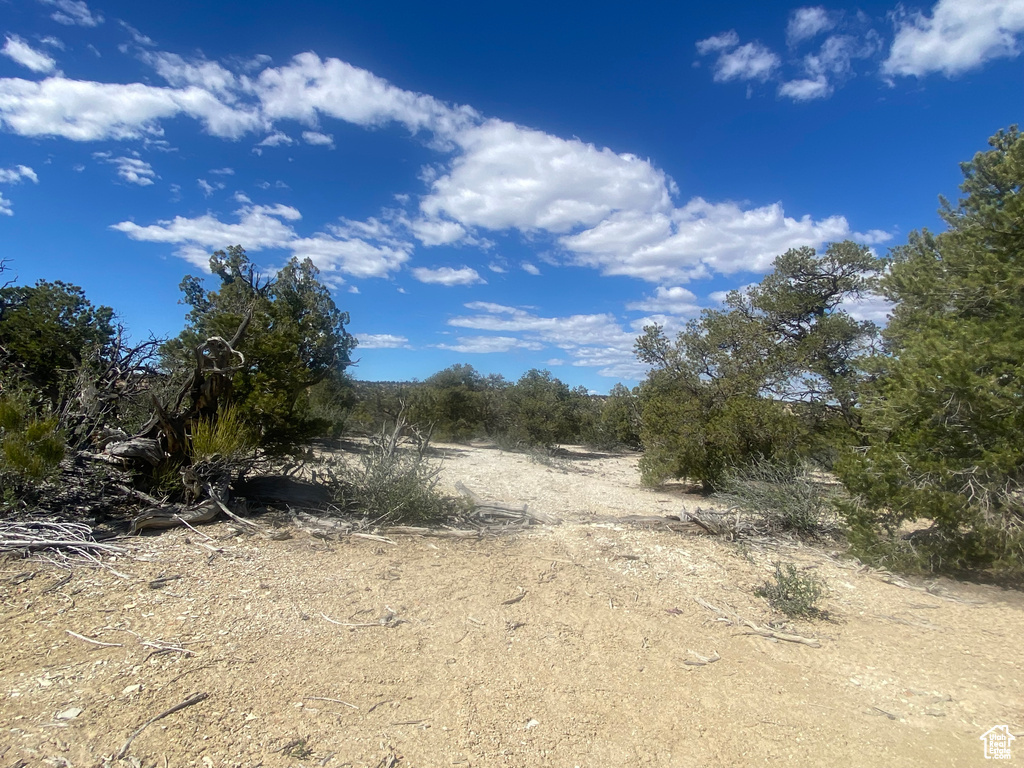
(569, 645)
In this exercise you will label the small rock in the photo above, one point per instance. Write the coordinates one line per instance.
(131, 689)
(532, 724)
(70, 713)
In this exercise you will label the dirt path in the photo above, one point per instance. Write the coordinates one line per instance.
(565, 646)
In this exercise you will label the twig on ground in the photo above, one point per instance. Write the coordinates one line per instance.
(94, 642)
(195, 699)
(324, 698)
(731, 617)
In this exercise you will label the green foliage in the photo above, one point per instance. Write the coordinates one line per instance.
(227, 437)
(393, 483)
(31, 444)
(760, 377)
(613, 422)
(296, 339)
(944, 418)
(543, 411)
(47, 329)
(453, 402)
(331, 403)
(794, 593)
(787, 498)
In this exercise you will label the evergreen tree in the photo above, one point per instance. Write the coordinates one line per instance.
(945, 415)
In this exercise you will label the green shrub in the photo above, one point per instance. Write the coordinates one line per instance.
(392, 483)
(31, 445)
(785, 498)
(227, 437)
(794, 593)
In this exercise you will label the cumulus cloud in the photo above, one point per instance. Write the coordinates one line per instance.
(698, 239)
(717, 43)
(208, 188)
(318, 139)
(590, 340)
(437, 231)
(382, 341)
(16, 174)
(806, 89)
(806, 23)
(181, 73)
(73, 13)
(488, 344)
(448, 276)
(261, 227)
(89, 111)
(508, 176)
(674, 300)
(276, 139)
(21, 52)
(134, 170)
(752, 61)
(530, 268)
(309, 86)
(958, 36)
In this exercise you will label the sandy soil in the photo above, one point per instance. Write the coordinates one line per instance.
(569, 645)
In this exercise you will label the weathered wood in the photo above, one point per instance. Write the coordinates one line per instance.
(172, 516)
(144, 448)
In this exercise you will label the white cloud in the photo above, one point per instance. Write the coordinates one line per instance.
(352, 256)
(497, 268)
(261, 227)
(673, 301)
(310, 86)
(5, 206)
(717, 43)
(89, 111)
(960, 35)
(488, 344)
(21, 52)
(437, 231)
(318, 139)
(530, 268)
(448, 276)
(805, 23)
(241, 197)
(381, 340)
(73, 13)
(53, 42)
(276, 139)
(805, 89)
(223, 171)
(208, 188)
(752, 61)
(590, 340)
(137, 37)
(509, 176)
(698, 239)
(16, 174)
(132, 169)
(869, 306)
(207, 75)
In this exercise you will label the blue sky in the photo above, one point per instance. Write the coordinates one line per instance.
(511, 186)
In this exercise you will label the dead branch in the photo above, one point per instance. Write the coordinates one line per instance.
(732, 618)
(195, 699)
(94, 642)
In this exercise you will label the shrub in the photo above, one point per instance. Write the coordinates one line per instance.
(784, 497)
(794, 593)
(226, 437)
(31, 445)
(392, 483)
